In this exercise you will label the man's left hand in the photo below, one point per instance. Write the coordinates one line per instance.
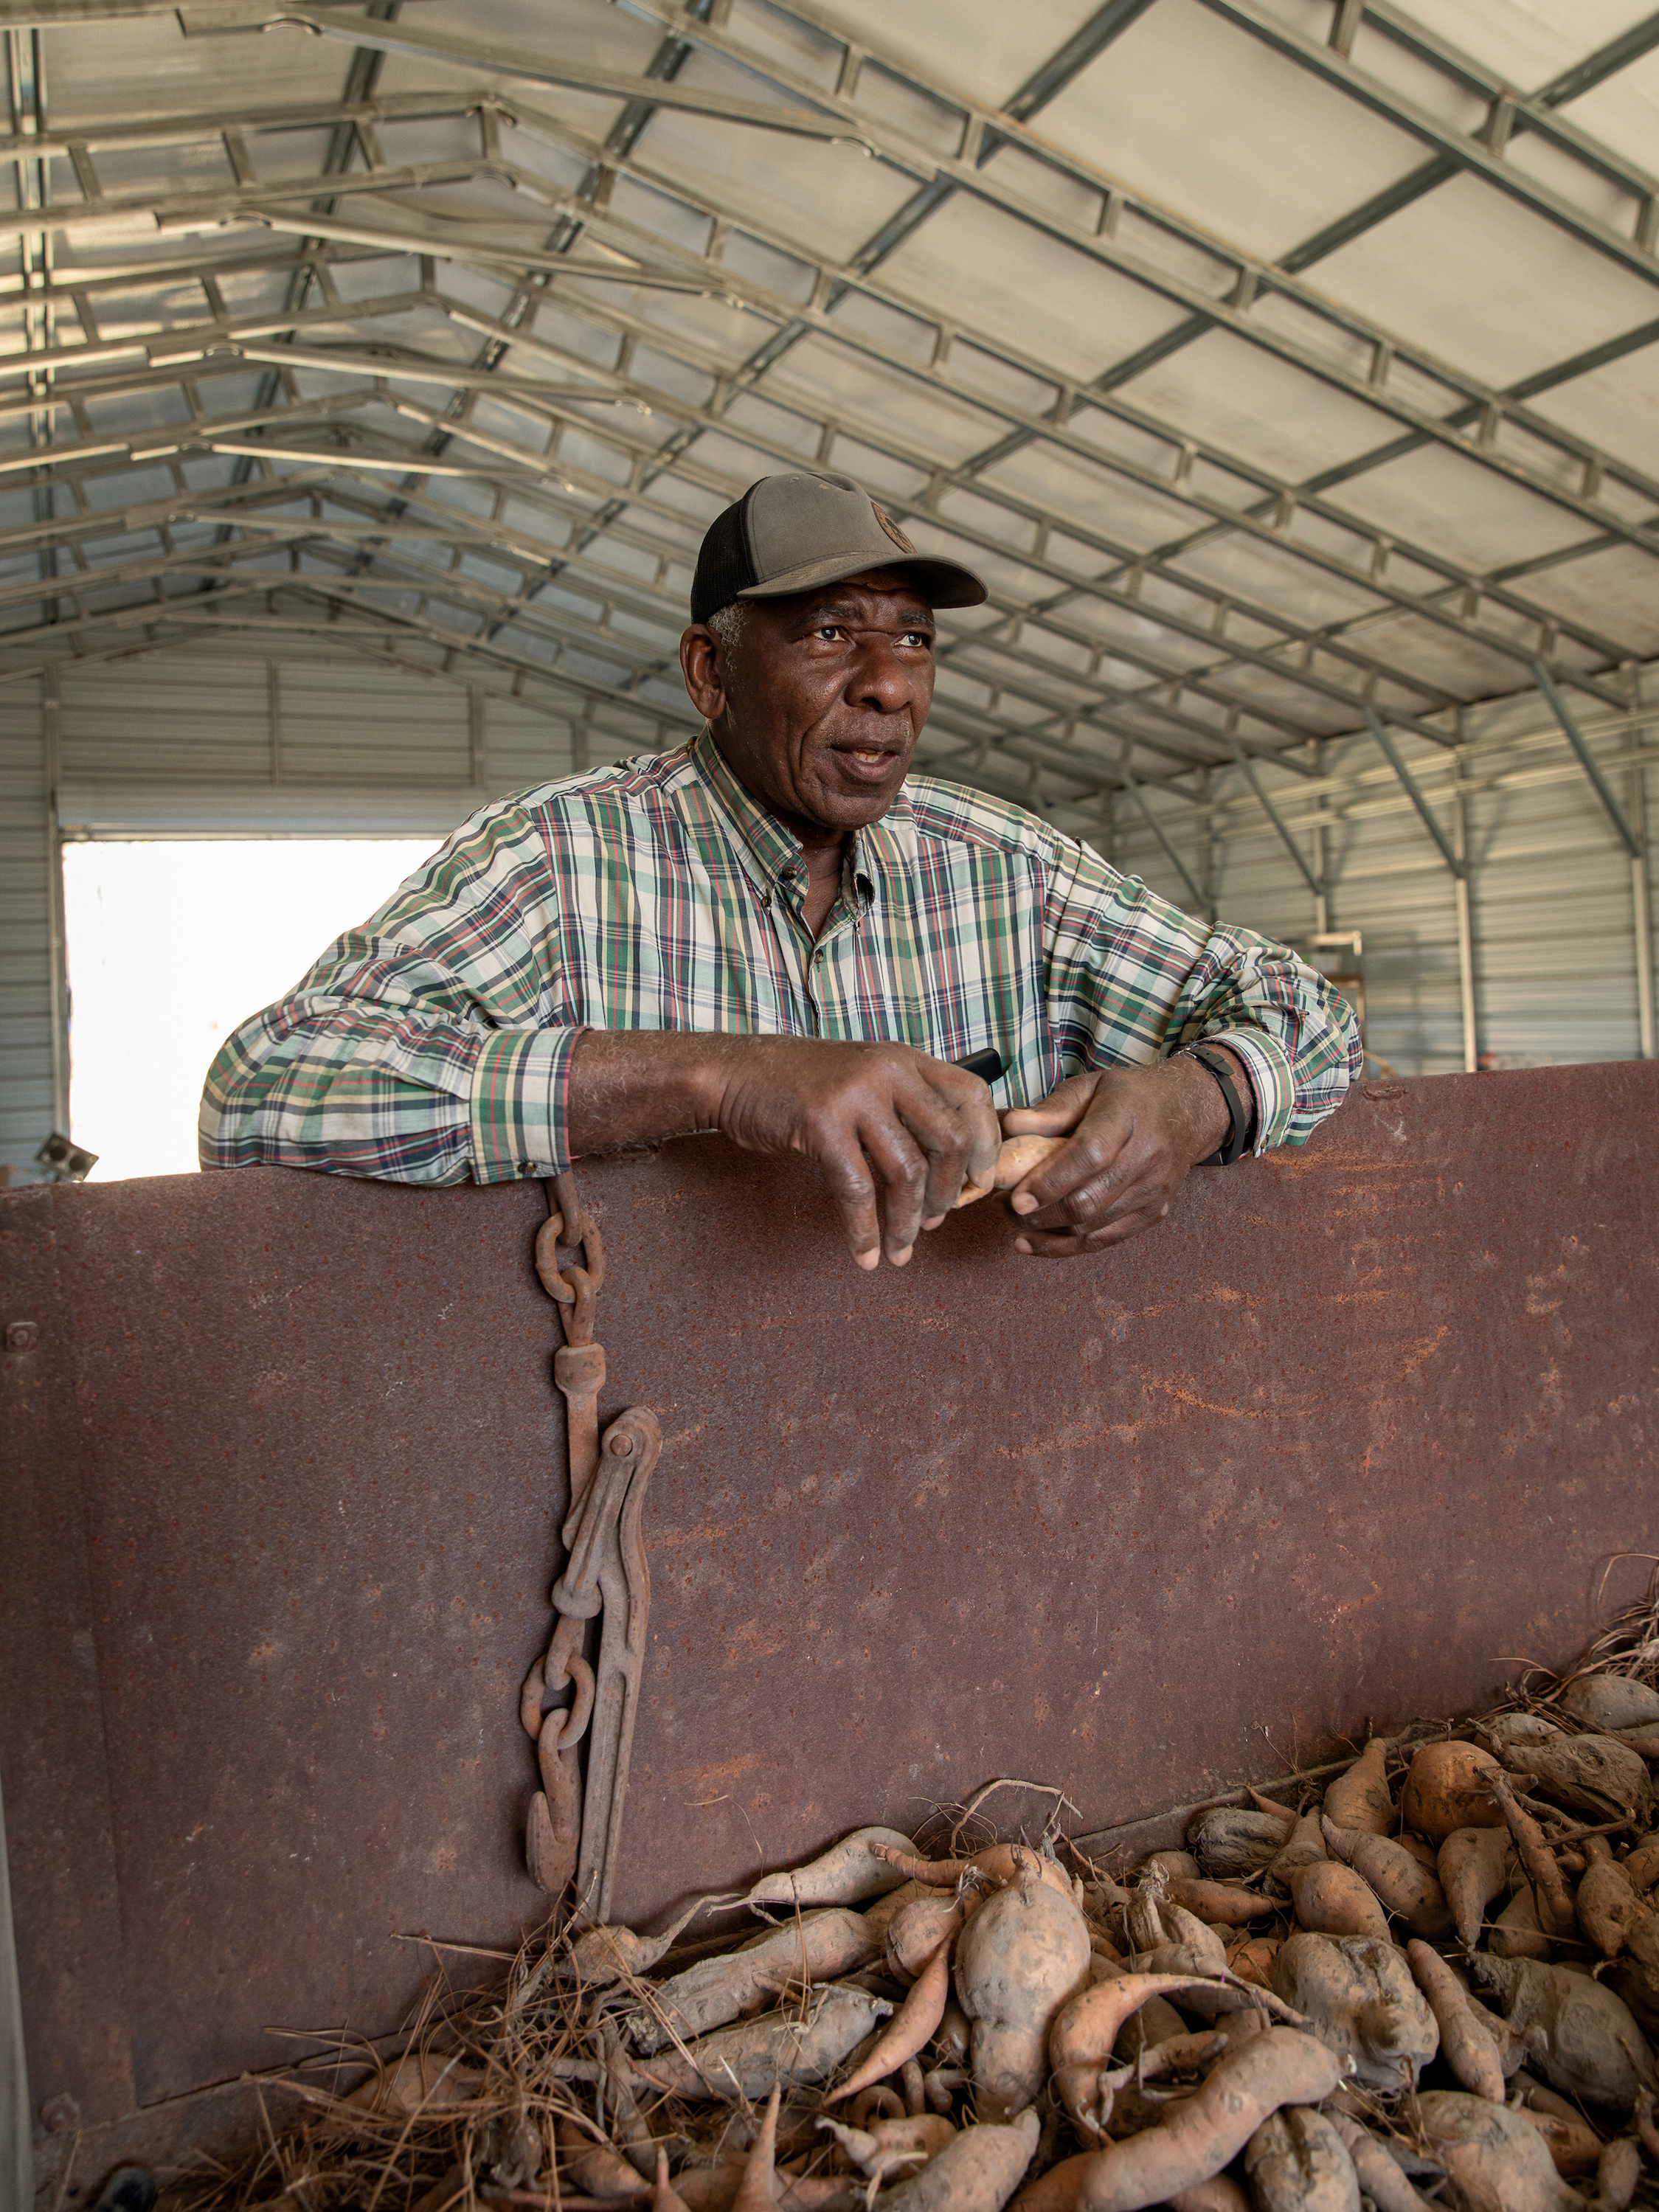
(1135, 1133)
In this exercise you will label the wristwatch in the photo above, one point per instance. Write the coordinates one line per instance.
(1243, 1110)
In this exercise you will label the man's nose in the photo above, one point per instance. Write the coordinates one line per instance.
(880, 678)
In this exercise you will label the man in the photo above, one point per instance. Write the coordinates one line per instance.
(772, 934)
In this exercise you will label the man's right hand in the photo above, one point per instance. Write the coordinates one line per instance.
(896, 1133)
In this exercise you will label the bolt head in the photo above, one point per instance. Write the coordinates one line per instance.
(22, 1335)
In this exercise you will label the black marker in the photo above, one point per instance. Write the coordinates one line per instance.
(987, 1065)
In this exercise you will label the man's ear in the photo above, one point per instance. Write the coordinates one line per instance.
(700, 657)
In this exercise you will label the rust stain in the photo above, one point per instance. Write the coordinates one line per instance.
(700, 1777)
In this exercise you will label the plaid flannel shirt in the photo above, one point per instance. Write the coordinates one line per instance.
(436, 1041)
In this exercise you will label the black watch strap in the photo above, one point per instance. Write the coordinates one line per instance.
(1242, 1111)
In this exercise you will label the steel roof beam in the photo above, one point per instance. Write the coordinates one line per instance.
(1251, 278)
(1547, 487)
(1469, 153)
(1408, 782)
(1558, 706)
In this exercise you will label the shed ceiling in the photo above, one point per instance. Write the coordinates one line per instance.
(1276, 361)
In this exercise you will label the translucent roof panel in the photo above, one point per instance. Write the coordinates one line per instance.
(1270, 383)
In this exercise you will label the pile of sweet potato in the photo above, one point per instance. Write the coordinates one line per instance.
(1434, 1982)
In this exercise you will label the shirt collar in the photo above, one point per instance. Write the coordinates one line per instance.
(770, 851)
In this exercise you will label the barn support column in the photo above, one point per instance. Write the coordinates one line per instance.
(1641, 903)
(33, 998)
(1465, 919)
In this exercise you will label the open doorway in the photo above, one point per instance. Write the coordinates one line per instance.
(170, 943)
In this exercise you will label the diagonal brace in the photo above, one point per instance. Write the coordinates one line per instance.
(1314, 883)
(1396, 761)
(1587, 760)
(1157, 829)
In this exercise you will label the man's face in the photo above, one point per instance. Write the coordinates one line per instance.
(818, 708)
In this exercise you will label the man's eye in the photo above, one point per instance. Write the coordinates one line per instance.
(918, 637)
(828, 629)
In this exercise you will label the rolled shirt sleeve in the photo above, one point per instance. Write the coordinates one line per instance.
(1132, 978)
(429, 1046)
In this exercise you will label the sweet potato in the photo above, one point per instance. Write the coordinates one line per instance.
(1464, 2043)
(1474, 1867)
(1219, 1903)
(1606, 1904)
(1359, 1998)
(1230, 1843)
(880, 1916)
(754, 2189)
(1296, 2162)
(665, 2197)
(1018, 1960)
(916, 1932)
(1446, 1788)
(1407, 1889)
(1304, 1846)
(1515, 1934)
(1284, 1814)
(1511, 2048)
(1575, 2150)
(595, 2169)
(1057, 2191)
(1217, 2194)
(978, 2172)
(1192, 1933)
(1506, 1732)
(1379, 2176)
(1203, 2134)
(1014, 1162)
(1585, 2041)
(1594, 1775)
(1212, 1990)
(1617, 2172)
(892, 2148)
(816, 1948)
(1174, 1866)
(746, 2060)
(1497, 2160)
(847, 1872)
(1085, 2031)
(1334, 1900)
(1552, 1900)
(421, 2082)
(608, 1954)
(1641, 1867)
(912, 2028)
(1359, 1799)
(997, 1864)
(1611, 1701)
(1251, 1958)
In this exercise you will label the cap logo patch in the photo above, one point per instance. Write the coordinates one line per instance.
(891, 528)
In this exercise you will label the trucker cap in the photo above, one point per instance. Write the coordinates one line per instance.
(792, 533)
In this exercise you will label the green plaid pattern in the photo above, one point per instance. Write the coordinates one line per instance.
(435, 1042)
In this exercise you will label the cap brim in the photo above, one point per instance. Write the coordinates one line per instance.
(941, 583)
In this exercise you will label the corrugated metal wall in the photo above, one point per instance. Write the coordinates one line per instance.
(214, 741)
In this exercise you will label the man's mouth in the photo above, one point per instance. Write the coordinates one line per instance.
(870, 763)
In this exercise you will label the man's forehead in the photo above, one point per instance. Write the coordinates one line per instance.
(878, 589)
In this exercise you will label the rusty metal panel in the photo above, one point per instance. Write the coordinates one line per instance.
(1359, 1422)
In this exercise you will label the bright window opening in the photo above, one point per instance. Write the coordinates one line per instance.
(170, 945)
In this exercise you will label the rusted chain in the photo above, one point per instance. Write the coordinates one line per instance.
(577, 1292)
(573, 1828)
